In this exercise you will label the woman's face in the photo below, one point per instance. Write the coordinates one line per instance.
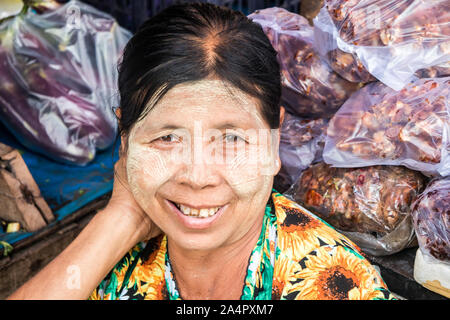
(201, 164)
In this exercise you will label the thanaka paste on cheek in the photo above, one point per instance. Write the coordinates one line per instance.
(147, 169)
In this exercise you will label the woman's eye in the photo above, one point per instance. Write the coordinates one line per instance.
(232, 138)
(168, 138)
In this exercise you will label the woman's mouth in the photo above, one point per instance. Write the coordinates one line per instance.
(197, 218)
(198, 213)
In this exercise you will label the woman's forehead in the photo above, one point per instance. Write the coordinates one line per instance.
(208, 101)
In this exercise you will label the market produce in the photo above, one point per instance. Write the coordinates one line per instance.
(388, 40)
(435, 72)
(431, 216)
(381, 126)
(301, 143)
(371, 205)
(58, 80)
(310, 88)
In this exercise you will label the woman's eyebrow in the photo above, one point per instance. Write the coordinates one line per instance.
(227, 126)
(169, 127)
(220, 126)
(155, 127)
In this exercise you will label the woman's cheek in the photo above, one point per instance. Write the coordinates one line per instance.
(247, 174)
(147, 170)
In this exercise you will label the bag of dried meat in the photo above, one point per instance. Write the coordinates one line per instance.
(388, 40)
(310, 88)
(370, 205)
(58, 75)
(431, 217)
(381, 126)
(301, 143)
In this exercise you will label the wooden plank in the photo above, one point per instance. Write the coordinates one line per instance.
(24, 263)
(55, 226)
(20, 197)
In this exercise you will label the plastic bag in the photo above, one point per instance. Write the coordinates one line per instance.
(310, 88)
(384, 39)
(380, 126)
(370, 205)
(58, 75)
(431, 217)
(440, 71)
(301, 143)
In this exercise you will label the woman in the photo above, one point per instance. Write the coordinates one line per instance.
(193, 214)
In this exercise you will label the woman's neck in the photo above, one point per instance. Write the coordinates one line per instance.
(214, 274)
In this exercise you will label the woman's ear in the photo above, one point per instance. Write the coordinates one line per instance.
(281, 116)
(278, 159)
(123, 146)
(123, 138)
(117, 112)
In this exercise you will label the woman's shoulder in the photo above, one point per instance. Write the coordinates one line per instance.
(315, 261)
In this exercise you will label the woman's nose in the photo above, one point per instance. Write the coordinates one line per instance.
(201, 171)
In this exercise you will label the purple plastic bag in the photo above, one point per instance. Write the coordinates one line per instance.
(58, 80)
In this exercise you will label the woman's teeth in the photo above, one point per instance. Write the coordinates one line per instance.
(199, 213)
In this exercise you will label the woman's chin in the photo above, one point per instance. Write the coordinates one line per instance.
(196, 242)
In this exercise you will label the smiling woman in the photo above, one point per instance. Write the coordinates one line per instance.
(193, 214)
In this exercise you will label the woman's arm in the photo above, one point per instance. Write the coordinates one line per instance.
(77, 271)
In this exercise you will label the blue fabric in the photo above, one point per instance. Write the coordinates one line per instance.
(66, 188)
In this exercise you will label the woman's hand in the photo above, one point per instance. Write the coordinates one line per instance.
(122, 201)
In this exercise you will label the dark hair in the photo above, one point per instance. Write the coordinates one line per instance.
(194, 41)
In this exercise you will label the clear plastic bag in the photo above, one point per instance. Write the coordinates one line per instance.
(301, 144)
(431, 216)
(310, 88)
(370, 205)
(380, 126)
(439, 71)
(58, 75)
(388, 40)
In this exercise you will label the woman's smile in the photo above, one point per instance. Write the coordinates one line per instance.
(196, 216)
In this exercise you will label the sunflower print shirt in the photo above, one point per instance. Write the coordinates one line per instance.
(297, 256)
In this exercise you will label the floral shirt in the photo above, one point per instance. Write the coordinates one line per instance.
(297, 256)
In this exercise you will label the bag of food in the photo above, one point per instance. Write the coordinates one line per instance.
(440, 71)
(431, 217)
(58, 75)
(310, 88)
(380, 126)
(301, 143)
(370, 205)
(388, 40)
